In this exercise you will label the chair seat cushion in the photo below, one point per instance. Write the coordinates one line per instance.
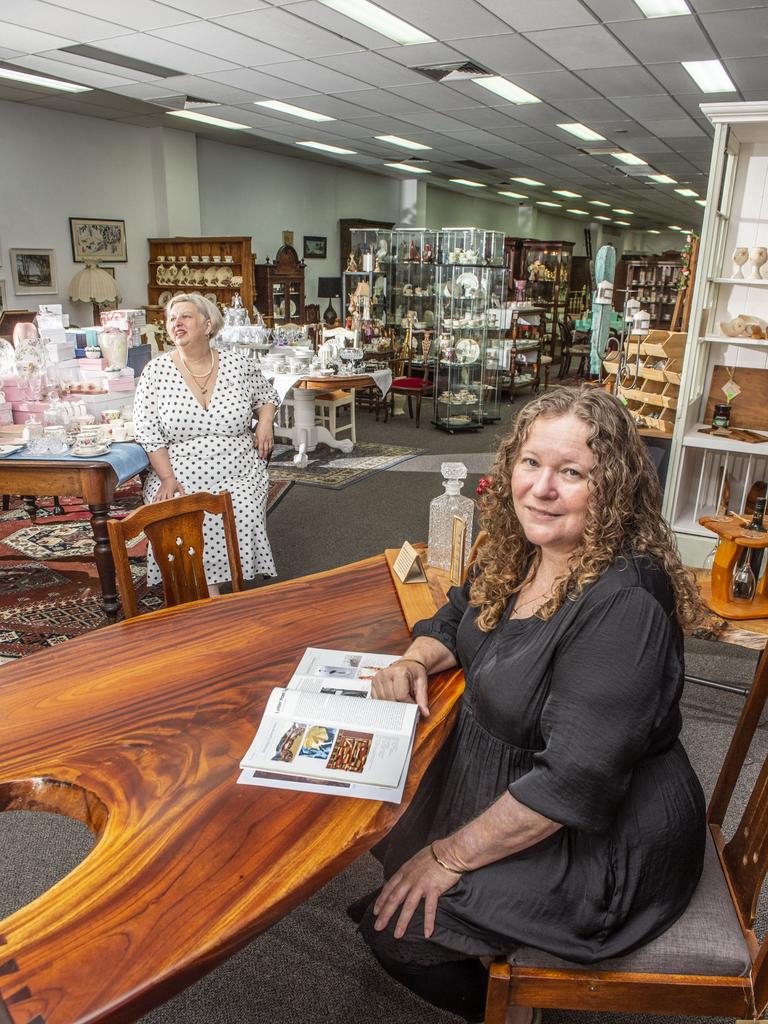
(412, 383)
(706, 940)
(545, 360)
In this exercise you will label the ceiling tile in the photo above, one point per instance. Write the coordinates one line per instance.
(491, 117)
(613, 82)
(642, 107)
(524, 16)
(282, 27)
(538, 113)
(551, 86)
(265, 86)
(315, 77)
(675, 128)
(654, 40)
(421, 54)
(144, 90)
(332, 21)
(384, 102)
(209, 38)
(170, 55)
(592, 111)
(705, 6)
(433, 120)
(505, 54)
(615, 10)
(77, 61)
(83, 76)
(334, 106)
(29, 40)
(374, 69)
(743, 36)
(590, 46)
(749, 73)
(66, 23)
(139, 15)
(439, 97)
(213, 8)
(205, 88)
(449, 20)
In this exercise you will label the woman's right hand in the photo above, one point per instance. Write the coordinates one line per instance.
(404, 681)
(169, 488)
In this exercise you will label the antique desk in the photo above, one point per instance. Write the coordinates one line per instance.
(137, 730)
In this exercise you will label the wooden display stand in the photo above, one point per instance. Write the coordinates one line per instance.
(652, 398)
(733, 539)
(280, 288)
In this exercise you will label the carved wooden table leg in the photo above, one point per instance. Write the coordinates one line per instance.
(105, 565)
(57, 507)
(30, 506)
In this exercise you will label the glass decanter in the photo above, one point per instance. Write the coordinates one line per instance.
(441, 512)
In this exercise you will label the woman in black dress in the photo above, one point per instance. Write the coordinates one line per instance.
(563, 812)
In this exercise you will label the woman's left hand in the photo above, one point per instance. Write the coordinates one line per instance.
(264, 439)
(420, 878)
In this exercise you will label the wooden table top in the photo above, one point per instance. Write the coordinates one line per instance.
(137, 730)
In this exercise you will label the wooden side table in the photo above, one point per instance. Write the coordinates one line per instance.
(734, 538)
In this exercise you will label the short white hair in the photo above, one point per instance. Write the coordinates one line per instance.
(208, 310)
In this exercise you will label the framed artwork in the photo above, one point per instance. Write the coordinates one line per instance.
(33, 271)
(287, 238)
(97, 239)
(315, 247)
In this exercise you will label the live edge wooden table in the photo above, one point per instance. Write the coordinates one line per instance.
(95, 480)
(137, 730)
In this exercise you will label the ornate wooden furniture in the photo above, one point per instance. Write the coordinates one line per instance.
(734, 538)
(710, 962)
(280, 288)
(137, 730)
(174, 528)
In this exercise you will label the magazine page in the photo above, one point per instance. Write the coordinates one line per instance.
(333, 737)
(344, 673)
(331, 787)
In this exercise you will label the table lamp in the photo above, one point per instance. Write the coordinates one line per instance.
(93, 284)
(329, 288)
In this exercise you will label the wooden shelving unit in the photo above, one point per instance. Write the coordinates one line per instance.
(654, 282)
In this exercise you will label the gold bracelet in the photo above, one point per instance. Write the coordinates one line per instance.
(417, 662)
(447, 867)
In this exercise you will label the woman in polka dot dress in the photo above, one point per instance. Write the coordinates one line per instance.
(193, 412)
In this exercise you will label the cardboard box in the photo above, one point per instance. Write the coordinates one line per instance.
(59, 351)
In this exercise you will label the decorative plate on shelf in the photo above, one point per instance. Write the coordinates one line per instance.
(468, 281)
(164, 297)
(294, 308)
(212, 297)
(467, 350)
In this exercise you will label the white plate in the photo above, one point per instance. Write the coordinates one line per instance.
(212, 297)
(163, 297)
(90, 453)
(467, 350)
(9, 449)
(467, 281)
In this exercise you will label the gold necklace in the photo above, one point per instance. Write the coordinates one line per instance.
(205, 377)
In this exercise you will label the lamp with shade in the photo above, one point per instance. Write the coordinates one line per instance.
(329, 288)
(93, 284)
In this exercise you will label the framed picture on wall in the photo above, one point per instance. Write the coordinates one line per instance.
(315, 247)
(33, 271)
(96, 239)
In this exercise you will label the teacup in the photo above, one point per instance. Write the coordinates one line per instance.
(109, 415)
(161, 259)
(229, 259)
(195, 259)
(85, 421)
(119, 432)
(181, 259)
(85, 440)
(205, 259)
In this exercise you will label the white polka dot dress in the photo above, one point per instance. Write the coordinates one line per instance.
(211, 450)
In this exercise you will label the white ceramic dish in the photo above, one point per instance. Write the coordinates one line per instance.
(90, 453)
(9, 449)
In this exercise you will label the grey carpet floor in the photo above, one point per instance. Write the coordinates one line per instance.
(311, 965)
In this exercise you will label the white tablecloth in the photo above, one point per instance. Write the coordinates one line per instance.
(283, 382)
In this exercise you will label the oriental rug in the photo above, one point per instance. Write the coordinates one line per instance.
(329, 467)
(49, 588)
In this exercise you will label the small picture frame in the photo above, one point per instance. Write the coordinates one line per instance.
(95, 238)
(34, 271)
(287, 238)
(315, 247)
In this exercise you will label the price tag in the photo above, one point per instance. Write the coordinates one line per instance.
(408, 566)
(731, 390)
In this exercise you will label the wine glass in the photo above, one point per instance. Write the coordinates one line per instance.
(740, 257)
(757, 257)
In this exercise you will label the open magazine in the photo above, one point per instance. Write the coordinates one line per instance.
(323, 733)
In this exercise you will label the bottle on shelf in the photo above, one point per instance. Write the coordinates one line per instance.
(756, 554)
(441, 512)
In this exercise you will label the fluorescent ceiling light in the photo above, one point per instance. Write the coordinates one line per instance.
(374, 17)
(600, 217)
(620, 209)
(48, 83)
(528, 181)
(465, 181)
(663, 179)
(702, 202)
(581, 213)
(545, 202)
(624, 223)
(217, 122)
(581, 131)
(663, 8)
(326, 148)
(628, 158)
(686, 192)
(411, 168)
(506, 89)
(395, 140)
(652, 231)
(289, 108)
(513, 195)
(709, 75)
(598, 202)
(567, 193)
(674, 227)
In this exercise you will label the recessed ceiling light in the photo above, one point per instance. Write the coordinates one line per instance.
(663, 179)
(289, 108)
(600, 217)
(48, 83)
(506, 89)
(217, 122)
(581, 213)
(411, 168)
(674, 227)
(709, 75)
(326, 148)
(374, 17)
(652, 231)
(628, 158)
(620, 209)
(545, 202)
(513, 195)
(467, 182)
(528, 181)
(396, 140)
(663, 8)
(624, 223)
(567, 193)
(598, 202)
(701, 202)
(581, 131)
(686, 192)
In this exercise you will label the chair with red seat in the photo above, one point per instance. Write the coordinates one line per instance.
(412, 385)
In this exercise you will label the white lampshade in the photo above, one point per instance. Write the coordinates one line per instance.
(92, 284)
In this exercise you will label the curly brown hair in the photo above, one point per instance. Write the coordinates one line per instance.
(623, 513)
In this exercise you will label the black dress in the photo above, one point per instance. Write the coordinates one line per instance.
(577, 716)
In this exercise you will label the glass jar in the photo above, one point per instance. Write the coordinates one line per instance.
(721, 417)
(441, 512)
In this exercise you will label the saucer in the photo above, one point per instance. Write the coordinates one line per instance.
(90, 453)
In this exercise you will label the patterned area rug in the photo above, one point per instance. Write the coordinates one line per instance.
(329, 467)
(52, 592)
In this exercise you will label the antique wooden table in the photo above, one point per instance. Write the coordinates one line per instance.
(137, 730)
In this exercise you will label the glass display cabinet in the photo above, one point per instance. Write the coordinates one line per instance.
(471, 247)
(280, 288)
(410, 259)
(546, 269)
(365, 293)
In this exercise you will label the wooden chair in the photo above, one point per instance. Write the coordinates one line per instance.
(710, 962)
(570, 347)
(174, 528)
(412, 386)
(327, 406)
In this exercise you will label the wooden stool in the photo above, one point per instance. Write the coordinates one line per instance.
(733, 539)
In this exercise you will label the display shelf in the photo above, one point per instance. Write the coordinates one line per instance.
(546, 269)
(653, 281)
(280, 287)
(722, 339)
(178, 252)
(693, 438)
(745, 283)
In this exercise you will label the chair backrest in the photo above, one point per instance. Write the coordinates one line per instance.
(566, 333)
(174, 528)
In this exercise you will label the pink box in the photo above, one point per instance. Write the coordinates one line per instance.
(22, 411)
(121, 384)
(92, 364)
(6, 414)
(17, 393)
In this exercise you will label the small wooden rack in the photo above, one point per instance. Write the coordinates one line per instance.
(733, 539)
